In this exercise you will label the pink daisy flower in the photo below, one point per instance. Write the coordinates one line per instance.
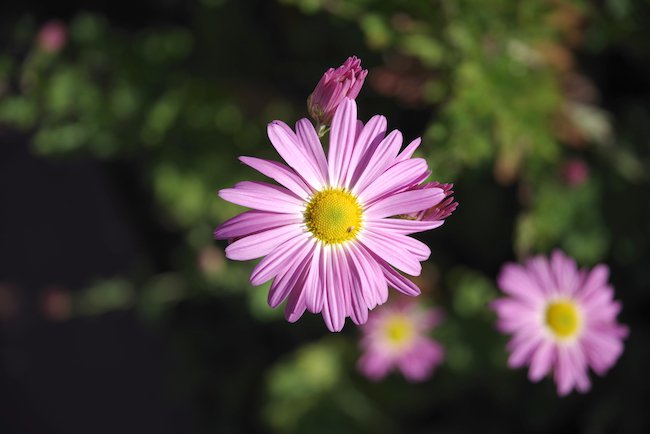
(395, 337)
(327, 233)
(563, 320)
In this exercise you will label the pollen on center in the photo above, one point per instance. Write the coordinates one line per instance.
(333, 216)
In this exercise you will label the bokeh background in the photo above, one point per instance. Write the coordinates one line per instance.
(118, 123)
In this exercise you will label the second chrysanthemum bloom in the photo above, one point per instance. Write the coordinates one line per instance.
(563, 320)
(396, 338)
(329, 235)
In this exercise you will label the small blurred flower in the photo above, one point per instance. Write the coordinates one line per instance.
(395, 336)
(440, 211)
(333, 87)
(575, 172)
(52, 36)
(211, 260)
(9, 302)
(563, 319)
(56, 303)
(329, 235)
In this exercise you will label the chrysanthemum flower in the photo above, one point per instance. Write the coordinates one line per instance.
(327, 234)
(395, 337)
(335, 85)
(563, 320)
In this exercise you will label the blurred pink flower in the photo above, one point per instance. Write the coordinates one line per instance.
(56, 303)
(211, 260)
(563, 320)
(333, 87)
(395, 337)
(575, 172)
(329, 234)
(10, 301)
(52, 36)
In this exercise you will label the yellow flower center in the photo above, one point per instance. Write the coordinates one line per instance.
(333, 216)
(398, 330)
(563, 318)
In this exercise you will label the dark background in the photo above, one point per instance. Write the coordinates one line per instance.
(97, 226)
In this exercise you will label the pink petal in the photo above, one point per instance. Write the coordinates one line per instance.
(359, 308)
(397, 281)
(395, 255)
(523, 345)
(367, 141)
(405, 203)
(295, 305)
(309, 138)
(294, 153)
(403, 226)
(418, 363)
(515, 281)
(280, 173)
(335, 306)
(253, 221)
(373, 284)
(566, 272)
(603, 347)
(356, 136)
(513, 314)
(401, 175)
(539, 271)
(420, 250)
(380, 159)
(262, 243)
(563, 372)
(315, 284)
(342, 140)
(374, 365)
(579, 368)
(293, 278)
(408, 151)
(542, 361)
(276, 261)
(263, 197)
(594, 282)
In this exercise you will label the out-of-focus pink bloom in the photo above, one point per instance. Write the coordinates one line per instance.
(563, 320)
(328, 233)
(52, 36)
(211, 260)
(575, 172)
(395, 337)
(56, 303)
(333, 87)
(440, 211)
(10, 301)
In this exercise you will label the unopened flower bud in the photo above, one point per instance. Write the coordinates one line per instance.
(333, 87)
(443, 209)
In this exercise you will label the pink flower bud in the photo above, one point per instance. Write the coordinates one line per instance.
(336, 84)
(52, 36)
(443, 209)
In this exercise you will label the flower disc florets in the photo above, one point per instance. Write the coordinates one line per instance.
(333, 216)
